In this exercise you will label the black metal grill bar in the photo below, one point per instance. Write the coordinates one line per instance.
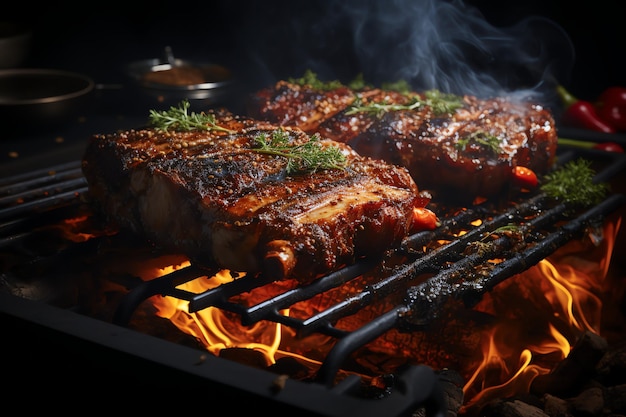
(165, 285)
(41, 189)
(43, 203)
(327, 372)
(432, 294)
(36, 175)
(425, 298)
(430, 262)
(522, 261)
(260, 311)
(14, 239)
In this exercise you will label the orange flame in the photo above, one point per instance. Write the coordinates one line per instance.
(215, 330)
(525, 343)
(516, 352)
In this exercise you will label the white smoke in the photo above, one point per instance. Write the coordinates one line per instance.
(450, 46)
(443, 44)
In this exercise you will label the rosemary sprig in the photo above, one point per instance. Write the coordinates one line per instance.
(573, 183)
(305, 157)
(482, 138)
(180, 119)
(508, 229)
(440, 103)
(379, 109)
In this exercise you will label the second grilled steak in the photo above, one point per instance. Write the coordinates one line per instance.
(213, 196)
(458, 152)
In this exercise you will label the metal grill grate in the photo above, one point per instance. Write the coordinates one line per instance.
(428, 274)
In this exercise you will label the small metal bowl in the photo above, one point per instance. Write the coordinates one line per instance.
(173, 80)
(32, 97)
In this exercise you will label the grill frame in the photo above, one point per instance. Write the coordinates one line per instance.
(421, 387)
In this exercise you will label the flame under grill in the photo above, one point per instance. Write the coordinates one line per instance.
(428, 270)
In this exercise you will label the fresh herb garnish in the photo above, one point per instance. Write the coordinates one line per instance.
(443, 103)
(573, 183)
(482, 138)
(379, 109)
(310, 78)
(182, 120)
(508, 230)
(358, 83)
(401, 86)
(305, 157)
(439, 102)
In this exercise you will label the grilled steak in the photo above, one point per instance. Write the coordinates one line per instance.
(214, 197)
(461, 153)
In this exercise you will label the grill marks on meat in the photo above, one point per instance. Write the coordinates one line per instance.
(210, 196)
(289, 104)
(440, 151)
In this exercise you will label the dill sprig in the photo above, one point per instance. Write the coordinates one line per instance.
(440, 103)
(573, 183)
(311, 79)
(305, 157)
(182, 120)
(482, 138)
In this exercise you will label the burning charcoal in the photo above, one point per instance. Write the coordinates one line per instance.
(555, 406)
(616, 399)
(574, 370)
(515, 408)
(452, 385)
(590, 402)
(246, 356)
(611, 369)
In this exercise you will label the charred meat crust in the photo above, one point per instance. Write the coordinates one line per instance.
(437, 149)
(210, 196)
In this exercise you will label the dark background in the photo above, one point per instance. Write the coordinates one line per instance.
(267, 40)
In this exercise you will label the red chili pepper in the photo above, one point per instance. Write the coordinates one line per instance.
(581, 113)
(424, 219)
(611, 107)
(525, 177)
(609, 147)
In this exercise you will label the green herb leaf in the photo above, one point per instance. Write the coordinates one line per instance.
(379, 109)
(482, 138)
(306, 157)
(401, 86)
(310, 78)
(180, 119)
(439, 102)
(358, 83)
(573, 183)
(443, 103)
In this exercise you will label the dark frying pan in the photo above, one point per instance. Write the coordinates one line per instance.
(37, 98)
